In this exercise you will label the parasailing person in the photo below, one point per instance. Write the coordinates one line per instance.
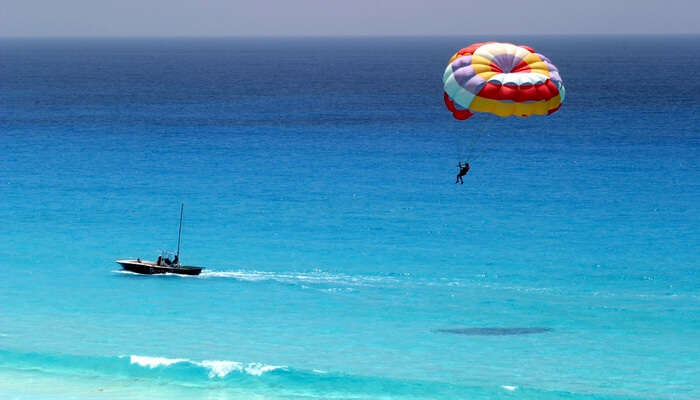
(501, 79)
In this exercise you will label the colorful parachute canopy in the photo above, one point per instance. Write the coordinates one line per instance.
(502, 79)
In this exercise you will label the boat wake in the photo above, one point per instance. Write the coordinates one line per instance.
(316, 277)
(330, 282)
(340, 282)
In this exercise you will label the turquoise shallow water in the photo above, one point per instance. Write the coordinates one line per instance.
(317, 177)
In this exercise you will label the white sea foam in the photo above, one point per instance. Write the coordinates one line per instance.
(153, 362)
(347, 283)
(258, 369)
(341, 282)
(304, 278)
(253, 276)
(509, 388)
(216, 368)
(221, 368)
(125, 272)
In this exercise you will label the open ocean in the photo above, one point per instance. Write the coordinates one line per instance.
(342, 260)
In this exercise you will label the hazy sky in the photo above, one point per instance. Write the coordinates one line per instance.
(349, 17)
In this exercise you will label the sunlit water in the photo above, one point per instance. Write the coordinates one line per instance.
(342, 260)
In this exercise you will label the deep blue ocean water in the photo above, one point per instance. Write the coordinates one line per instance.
(318, 182)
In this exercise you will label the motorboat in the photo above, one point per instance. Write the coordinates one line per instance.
(159, 267)
(167, 263)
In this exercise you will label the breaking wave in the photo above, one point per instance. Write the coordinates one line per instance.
(205, 375)
(247, 379)
(215, 369)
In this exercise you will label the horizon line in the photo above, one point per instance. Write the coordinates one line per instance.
(340, 36)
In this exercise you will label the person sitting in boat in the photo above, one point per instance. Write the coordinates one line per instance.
(176, 260)
(160, 261)
(167, 261)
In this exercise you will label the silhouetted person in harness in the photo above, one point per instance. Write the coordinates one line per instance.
(463, 169)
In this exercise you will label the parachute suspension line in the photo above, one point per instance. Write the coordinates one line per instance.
(459, 143)
(463, 149)
(464, 145)
(473, 153)
(474, 137)
(477, 154)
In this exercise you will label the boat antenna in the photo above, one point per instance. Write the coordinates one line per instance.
(179, 232)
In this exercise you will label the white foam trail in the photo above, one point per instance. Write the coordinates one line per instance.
(316, 277)
(153, 362)
(221, 368)
(125, 272)
(258, 369)
(253, 276)
(509, 388)
(216, 368)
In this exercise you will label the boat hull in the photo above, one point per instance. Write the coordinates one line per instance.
(151, 268)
